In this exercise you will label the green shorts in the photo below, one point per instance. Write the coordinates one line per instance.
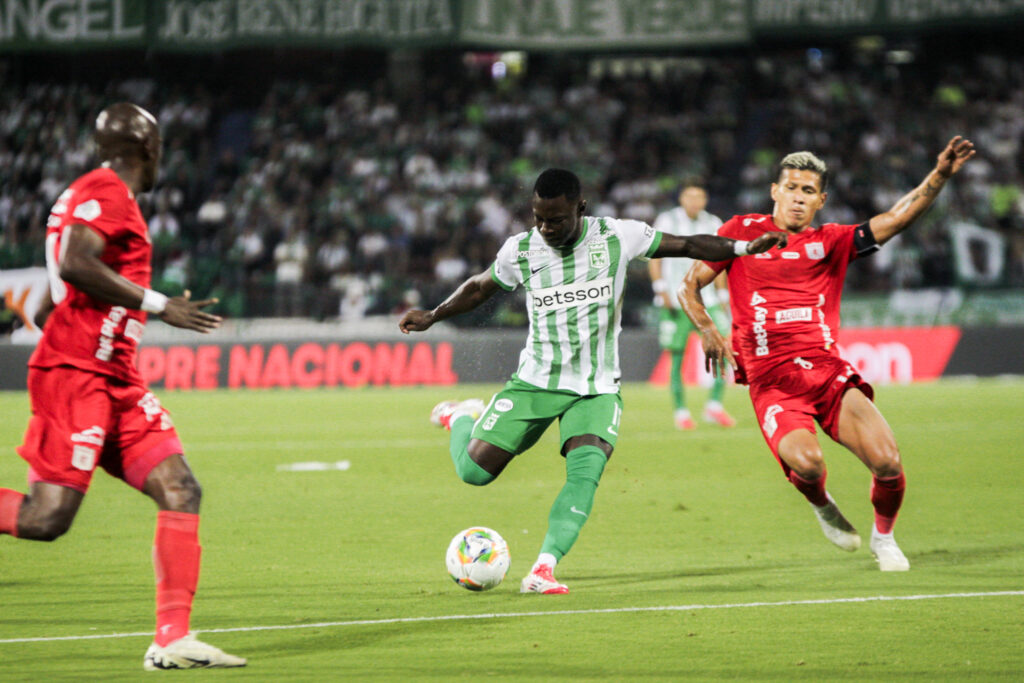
(520, 413)
(674, 327)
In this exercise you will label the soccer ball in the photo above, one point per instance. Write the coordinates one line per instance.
(477, 558)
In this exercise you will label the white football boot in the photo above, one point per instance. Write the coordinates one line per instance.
(188, 653)
(446, 411)
(441, 412)
(542, 580)
(836, 527)
(890, 557)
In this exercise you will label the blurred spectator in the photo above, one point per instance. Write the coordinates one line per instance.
(379, 193)
(290, 256)
(163, 226)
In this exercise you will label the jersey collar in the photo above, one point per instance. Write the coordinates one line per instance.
(585, 222)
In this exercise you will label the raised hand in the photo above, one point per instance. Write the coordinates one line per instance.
(958, 152)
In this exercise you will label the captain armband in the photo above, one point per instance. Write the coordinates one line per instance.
(864, 242)
(153, 302)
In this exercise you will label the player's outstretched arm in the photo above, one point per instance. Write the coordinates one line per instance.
(468, 296)
(716, 349)
(715, 248)
(80, 265)
(887, 225)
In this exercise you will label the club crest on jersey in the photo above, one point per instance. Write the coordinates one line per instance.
(815, 250)
(598, 252)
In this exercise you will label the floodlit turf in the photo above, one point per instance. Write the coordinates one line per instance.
(701, 520)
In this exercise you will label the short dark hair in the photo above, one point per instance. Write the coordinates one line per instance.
(557, 182)
(693, 181)
(805, 161)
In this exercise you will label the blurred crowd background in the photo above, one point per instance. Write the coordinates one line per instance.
(353, 190)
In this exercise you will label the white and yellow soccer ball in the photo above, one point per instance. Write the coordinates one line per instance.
(478, 558)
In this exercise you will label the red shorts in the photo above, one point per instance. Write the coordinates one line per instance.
(82, 419)
(796, 393)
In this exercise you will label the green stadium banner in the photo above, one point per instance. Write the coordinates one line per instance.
(220, 24)
(771, 17)
(588, 24)
(61, 24)
(198, 25)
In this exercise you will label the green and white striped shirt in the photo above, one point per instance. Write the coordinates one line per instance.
(574, 300)
(673, 270)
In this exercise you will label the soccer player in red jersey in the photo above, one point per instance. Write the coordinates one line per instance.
(90, 406)
(785, 307)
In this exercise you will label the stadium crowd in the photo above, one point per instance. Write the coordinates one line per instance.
(331, 200)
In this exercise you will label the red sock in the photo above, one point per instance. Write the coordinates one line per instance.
(10, 505)
(813, 489)
(176, 561)
(887, 496)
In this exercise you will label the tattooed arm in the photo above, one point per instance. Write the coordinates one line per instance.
(887, 225)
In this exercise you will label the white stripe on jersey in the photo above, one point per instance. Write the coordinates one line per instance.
(574, 301)
(673, 270)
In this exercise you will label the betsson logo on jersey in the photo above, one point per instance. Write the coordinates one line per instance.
(567, 296)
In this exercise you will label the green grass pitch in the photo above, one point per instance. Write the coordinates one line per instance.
(699, 562)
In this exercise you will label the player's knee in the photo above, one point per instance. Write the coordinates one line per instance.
(183, 494)
(44, 528)
(476, 477)
(806, 461)
(585, 464)
(886, 461)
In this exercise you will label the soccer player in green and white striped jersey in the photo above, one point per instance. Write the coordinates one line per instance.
(573, 268)
(674, 328)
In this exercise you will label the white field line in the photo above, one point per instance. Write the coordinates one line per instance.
(549, 613)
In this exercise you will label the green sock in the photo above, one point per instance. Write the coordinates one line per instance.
(675, 381)
(717, 389)
(583, 468)
(468, 471)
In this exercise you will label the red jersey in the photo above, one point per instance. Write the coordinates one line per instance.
(82, 332)
(785, 302)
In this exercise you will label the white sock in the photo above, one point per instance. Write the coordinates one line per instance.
(544, 558)
(713, 405)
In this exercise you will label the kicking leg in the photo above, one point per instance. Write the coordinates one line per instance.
(476, 462)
